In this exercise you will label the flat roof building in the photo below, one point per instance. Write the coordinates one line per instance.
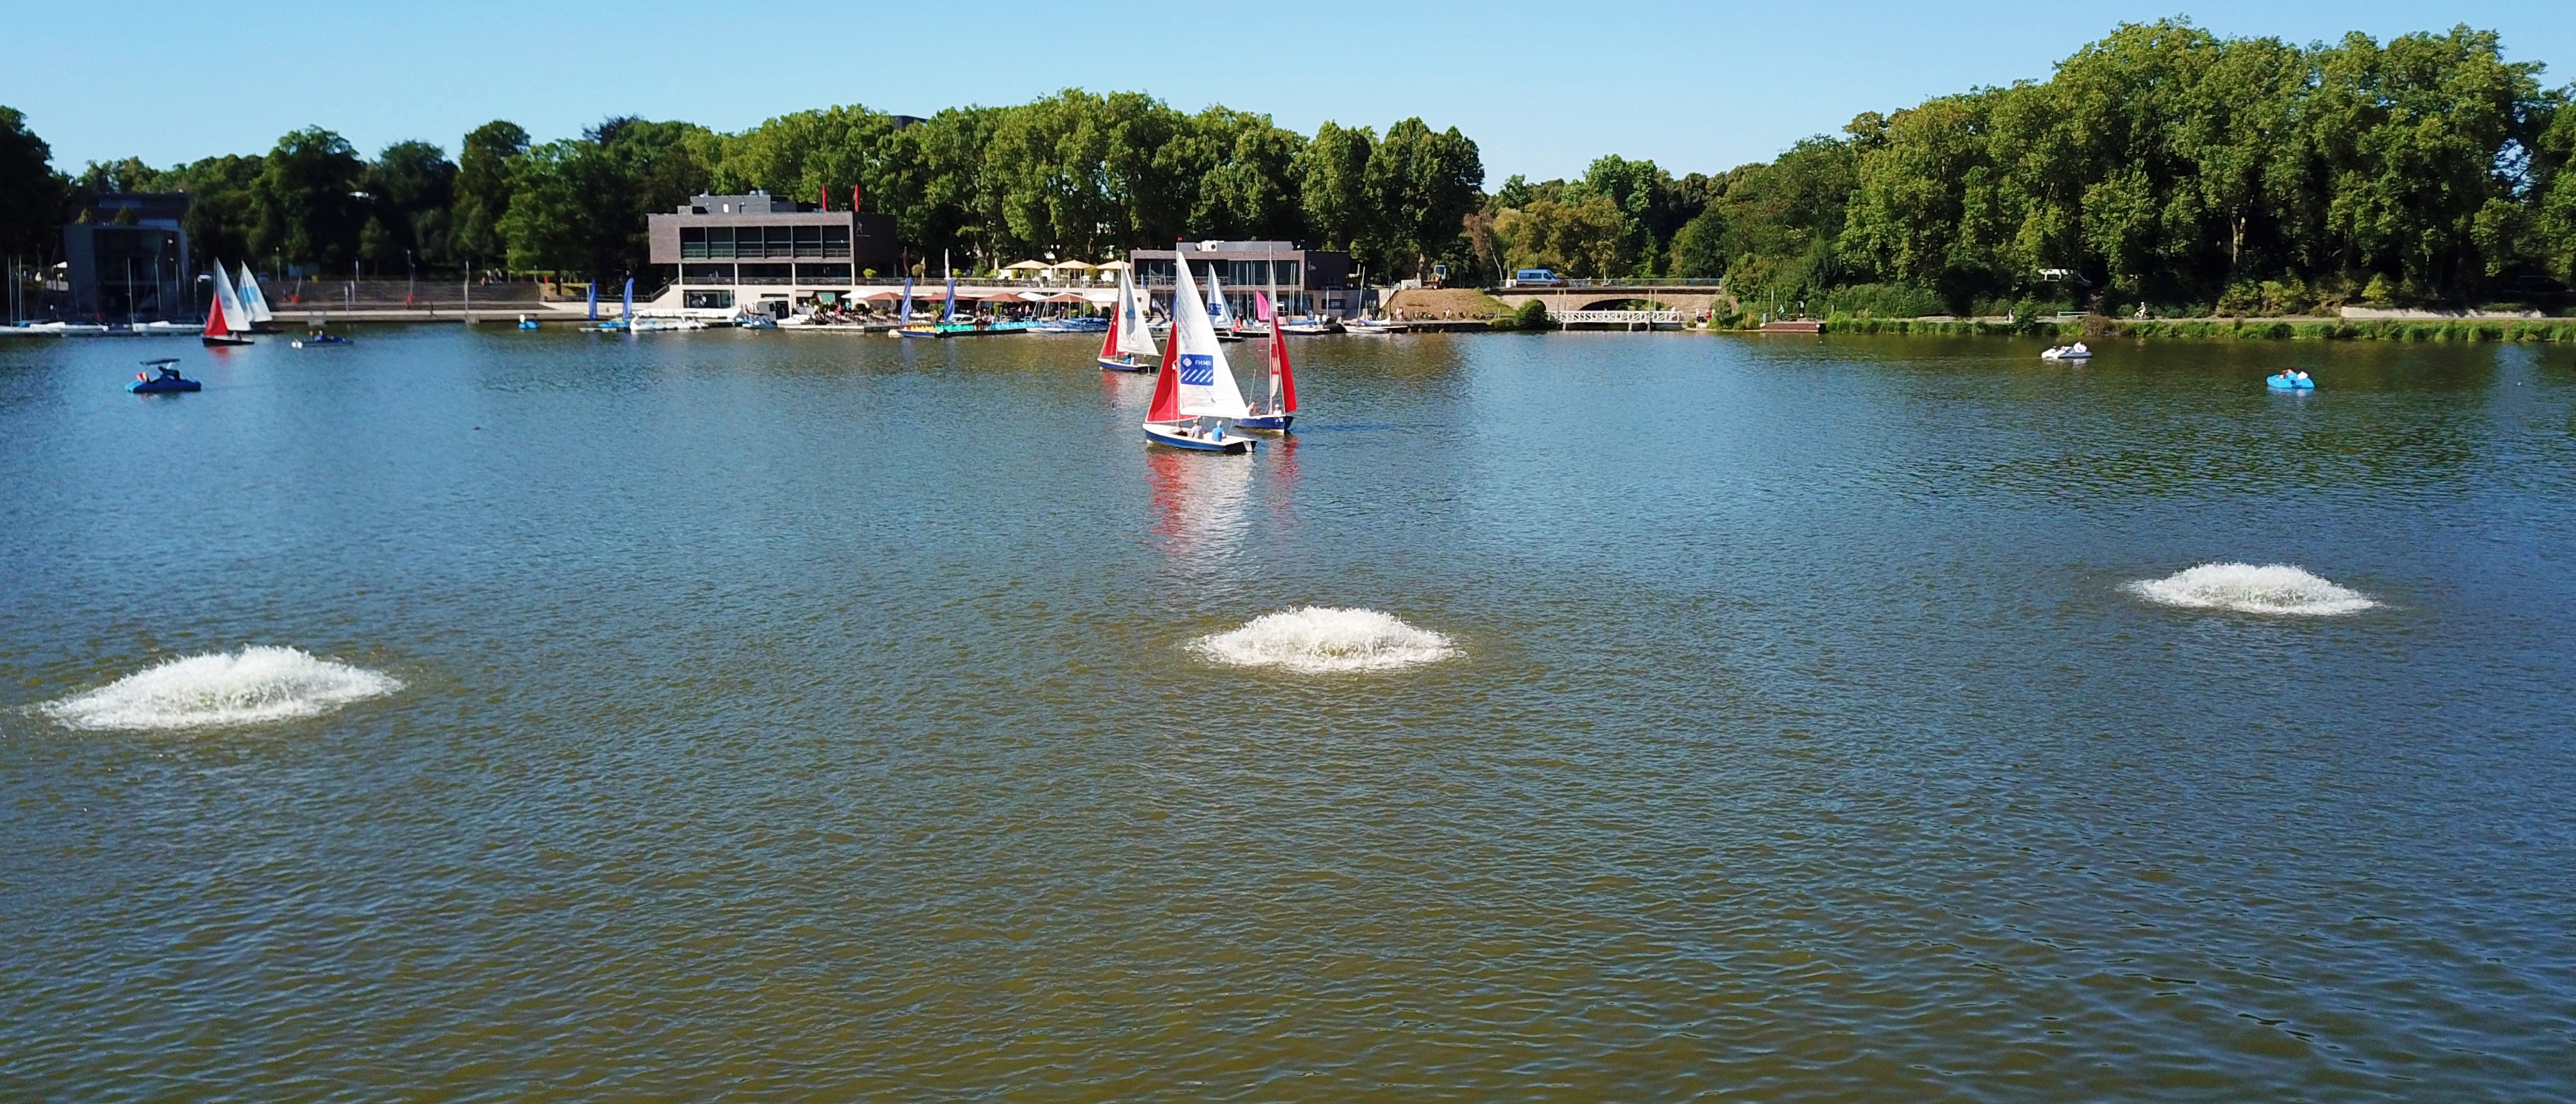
(128, 259)
(765, 252)
(1301, 280)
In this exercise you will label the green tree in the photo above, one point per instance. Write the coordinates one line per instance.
(483, 189)
(223, 217)
(412, 187)
(1422, 183)
(1332, 185)
(31, 193)
(306, 200)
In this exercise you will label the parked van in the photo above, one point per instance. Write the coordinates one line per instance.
(1528, 276)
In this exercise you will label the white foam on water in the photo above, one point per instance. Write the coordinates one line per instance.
(251, 686)
(2245, 588)
(1325, 640)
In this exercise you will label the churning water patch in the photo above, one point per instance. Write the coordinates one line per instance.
(2245, 588)
(1326, 640)
(251, 686)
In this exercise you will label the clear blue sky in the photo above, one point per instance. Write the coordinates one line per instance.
(1542, 88)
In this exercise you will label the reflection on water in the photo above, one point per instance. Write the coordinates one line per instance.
(1200, 503)
(813, 715)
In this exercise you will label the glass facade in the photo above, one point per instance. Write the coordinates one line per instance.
(722, 243)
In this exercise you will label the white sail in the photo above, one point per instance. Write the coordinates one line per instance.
(1220, 313)
(1133, 334)
(252, 300)
(235, 318)
(1206, 386)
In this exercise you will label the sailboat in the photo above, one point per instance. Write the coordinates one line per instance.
(1196, 396)
(255, 304)
(1221, 313)
(1281, 408)
(226, 322)
(1130, 342)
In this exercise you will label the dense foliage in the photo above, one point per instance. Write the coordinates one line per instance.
(2162, 165)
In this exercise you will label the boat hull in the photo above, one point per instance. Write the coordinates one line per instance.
(164, 387)
(1113, 364)
(1173, 437)
(1275, 423)
(225, 340)
(2276, 383)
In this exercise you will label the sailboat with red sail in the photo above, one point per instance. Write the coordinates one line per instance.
(1280, 408)
(226, 322)
(1129, 346)
(1195, 396)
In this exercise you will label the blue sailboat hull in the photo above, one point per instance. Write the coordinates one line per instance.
(1172, 436)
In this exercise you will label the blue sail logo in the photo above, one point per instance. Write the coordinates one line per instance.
(1198, 370)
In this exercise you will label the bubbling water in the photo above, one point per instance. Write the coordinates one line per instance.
(2245, 588)
(252, 686)
(1325, 640)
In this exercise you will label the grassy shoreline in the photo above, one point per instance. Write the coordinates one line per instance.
(2233, 329)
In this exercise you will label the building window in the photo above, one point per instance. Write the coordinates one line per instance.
(1286, 273)
(706, 274)
(766, 273)
(822, 274)
(706, 300)
(809, 240)
(720, 243)
(693, 243)
(836, 241)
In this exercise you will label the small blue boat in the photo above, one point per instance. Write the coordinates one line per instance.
(2290, 381)
(169, 381)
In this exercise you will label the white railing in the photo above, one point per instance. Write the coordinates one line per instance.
(1620, 317)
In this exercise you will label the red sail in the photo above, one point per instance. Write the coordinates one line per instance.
(1109, 344)
(1279, 368)
(215, 319)
(1167, 391)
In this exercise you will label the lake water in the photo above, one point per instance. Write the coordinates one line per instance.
(805, 716)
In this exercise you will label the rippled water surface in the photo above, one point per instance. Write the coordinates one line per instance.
(802, 716)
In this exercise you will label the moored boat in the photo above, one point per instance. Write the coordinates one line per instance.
(2075, 351)
(2291, 380)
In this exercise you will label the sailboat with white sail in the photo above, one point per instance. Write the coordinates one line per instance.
(1221, 314)
(1129, 347)
(1196, 396)
(255, 303)
(1280, 409)
(226, 322)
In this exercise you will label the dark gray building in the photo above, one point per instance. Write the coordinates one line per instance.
(1302, 280)
(763, 251)
(128, 260)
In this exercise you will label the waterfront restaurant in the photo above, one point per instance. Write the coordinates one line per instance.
(765, 253)
(1303, 281)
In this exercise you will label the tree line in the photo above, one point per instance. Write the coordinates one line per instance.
(1076, 174)
(2161, 164)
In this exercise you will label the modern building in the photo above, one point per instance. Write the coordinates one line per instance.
(767, 253)
(127, 260)
(1301, 280)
